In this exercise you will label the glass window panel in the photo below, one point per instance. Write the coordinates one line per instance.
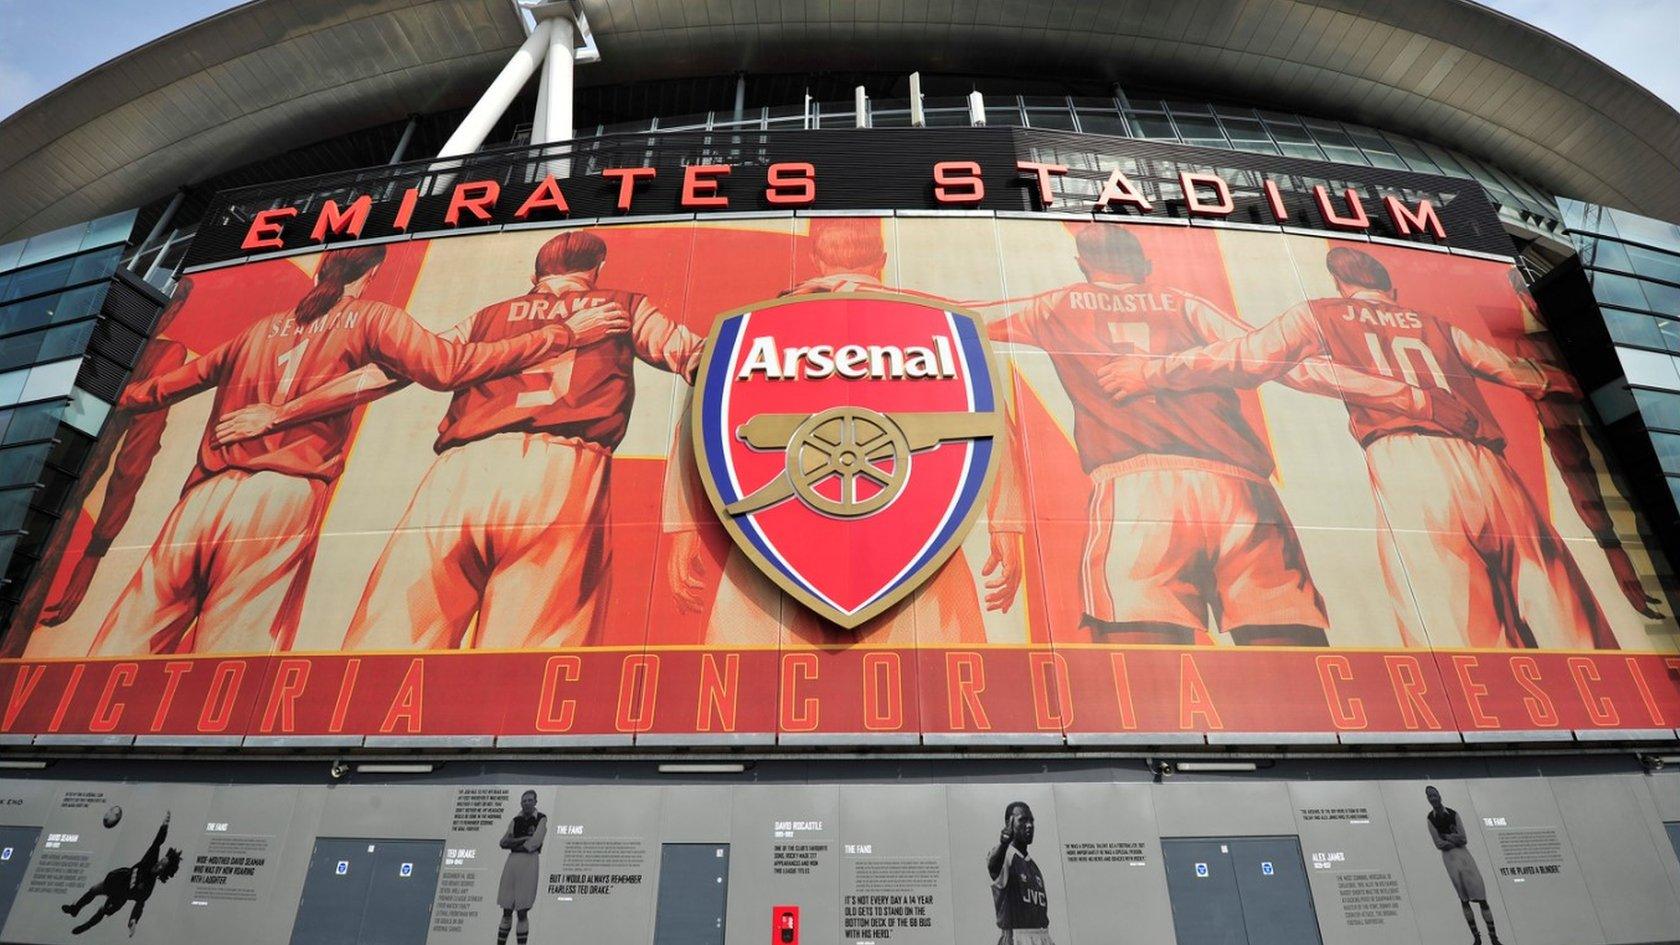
(1005, 116)
(9, 255)
(1646, 230)
(53, 245)
(1198, 127)
(1633, 328)
(1674, 490)
(1606, 254)
(1612, 289)
(948, 117)
(1670, 331)
(35, 422)
(11, 386)
(1653, 264)
(889, 118)
(1245, 129)
(17, 351)
(98, 264)
(38, 279)
(76, 303)
(1414, 156)
(71, 450)
(1157, 127)
(1103, 123)
(21, 465)
(116, 228)
(14, 505)
(1667, 446)
(1647, 369)
(86, 412)
(1658, 409)
(30, 313)
(1664, 299)
(51, 380)
(1057, 118)
(1449, 165)
(1613, 401)
(66, 341)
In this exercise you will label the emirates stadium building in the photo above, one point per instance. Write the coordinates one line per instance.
(460, 456)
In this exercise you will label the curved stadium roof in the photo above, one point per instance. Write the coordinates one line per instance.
(274, 74)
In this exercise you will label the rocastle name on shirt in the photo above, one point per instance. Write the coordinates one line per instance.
(849, 361)
(1129, 302)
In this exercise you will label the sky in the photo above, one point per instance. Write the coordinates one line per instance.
(45, 43)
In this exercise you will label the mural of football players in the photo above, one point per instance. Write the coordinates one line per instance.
(127, 884)
(1446, 830)
(850, 255)
(128, 444)
(228, 568)
(1018, 893)
(522, 557)
(1490, 568)
(1201, 527)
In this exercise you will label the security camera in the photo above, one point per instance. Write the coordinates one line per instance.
(338, 770)
(1164, 769)
(1652, 763)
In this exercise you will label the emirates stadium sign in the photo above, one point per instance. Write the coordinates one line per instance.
(848, 472)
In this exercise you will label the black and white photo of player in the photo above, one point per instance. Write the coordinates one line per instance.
(127, 884)
(518, 891)
(1446, 828)
(1023, 907)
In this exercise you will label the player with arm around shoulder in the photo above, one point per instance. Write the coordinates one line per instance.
(1459, 524)
(227, 571)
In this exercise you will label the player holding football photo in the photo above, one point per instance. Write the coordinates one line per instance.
(1018, 893)
(1459, 523)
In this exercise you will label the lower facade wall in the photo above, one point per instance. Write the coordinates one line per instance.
(1571, 860)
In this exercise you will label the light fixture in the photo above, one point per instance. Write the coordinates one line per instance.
(23, 765)
(1210, 766)
(380, 767)
(703, 768)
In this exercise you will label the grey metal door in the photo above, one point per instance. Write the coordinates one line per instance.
(1277, 903)
(17, 844)
(400, 892)
(1202, 885)
(335, 892)
(693, 894)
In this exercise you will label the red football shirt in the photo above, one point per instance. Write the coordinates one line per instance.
(582, 392)
(277, 359)
(1085, 325)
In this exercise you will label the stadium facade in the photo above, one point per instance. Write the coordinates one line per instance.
(692, 472)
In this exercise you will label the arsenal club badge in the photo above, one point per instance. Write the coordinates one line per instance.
(847, 441)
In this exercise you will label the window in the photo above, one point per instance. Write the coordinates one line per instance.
(1658, 408)
(1108, 122)
(1606, 254)
(1649, 369)
(21, 465)
(35, 422)
(1154, 125)
(51, 380)
(1667, 446)
(38, 279)
(1617, 290)
(1663, 299)
(1633, 328)
(86, 412)
(1654, 265)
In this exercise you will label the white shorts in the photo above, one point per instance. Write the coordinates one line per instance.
(1470, 547)
(509, 531)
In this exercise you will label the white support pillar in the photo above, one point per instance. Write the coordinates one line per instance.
(555, 99)
(490, 107)
(539, 120)
(860, 107)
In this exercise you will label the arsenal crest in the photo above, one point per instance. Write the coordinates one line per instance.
(847, 441)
